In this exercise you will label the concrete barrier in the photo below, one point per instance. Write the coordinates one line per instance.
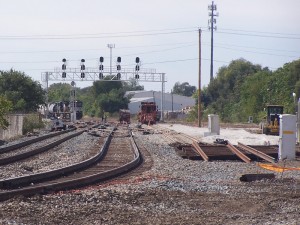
(15, 126)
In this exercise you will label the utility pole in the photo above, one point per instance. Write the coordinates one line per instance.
(111, 46)
(199, 83)
(211, 26)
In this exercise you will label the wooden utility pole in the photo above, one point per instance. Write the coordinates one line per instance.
(199, 83)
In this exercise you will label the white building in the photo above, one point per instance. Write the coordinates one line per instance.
(172, 102)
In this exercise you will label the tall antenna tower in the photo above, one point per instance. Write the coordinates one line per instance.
(212, 8)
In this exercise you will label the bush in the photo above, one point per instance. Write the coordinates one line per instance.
(31, 122)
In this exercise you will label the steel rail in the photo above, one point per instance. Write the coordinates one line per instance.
(238, 153)
(5, 149)
(200, 151)
(66, 184)
(21, 156)
(257, 153)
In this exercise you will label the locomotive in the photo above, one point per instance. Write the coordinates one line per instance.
(64, 110)
(148, 113)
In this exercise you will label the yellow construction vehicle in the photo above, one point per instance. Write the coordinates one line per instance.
(271, 125)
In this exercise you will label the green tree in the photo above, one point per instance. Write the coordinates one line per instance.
(184, 89)
(5, 107)
(25, 94)
(132, 85)
(59, 92)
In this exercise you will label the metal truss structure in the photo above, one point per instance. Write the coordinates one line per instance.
(94, 74)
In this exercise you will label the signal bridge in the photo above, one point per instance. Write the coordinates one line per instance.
(94, 74)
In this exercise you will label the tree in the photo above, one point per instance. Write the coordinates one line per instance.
(25, 94)
(183, 89)
(59, 92)
(5, 107)
(132, 85)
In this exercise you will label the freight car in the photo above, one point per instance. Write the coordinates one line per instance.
(148, 113)
(124, 116)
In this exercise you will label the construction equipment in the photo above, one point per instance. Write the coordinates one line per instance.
(272, 124)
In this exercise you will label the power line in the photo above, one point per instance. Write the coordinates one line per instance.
(260, 32)
(95, 37)
(100, 49)
(259, 35)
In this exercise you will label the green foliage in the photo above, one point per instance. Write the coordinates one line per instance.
(5, 107)
(31, 122)
(20, 89)
(132, 85)
(59, 92)
(242, 89)
(184, 89)
(106, 96)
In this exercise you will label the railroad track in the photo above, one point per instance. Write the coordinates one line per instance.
(117, 156)
(26, 151)
(190, 148)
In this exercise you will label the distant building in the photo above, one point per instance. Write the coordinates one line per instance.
(172, 101)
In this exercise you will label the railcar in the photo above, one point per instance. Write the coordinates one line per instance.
(124, 116)
(148, 113)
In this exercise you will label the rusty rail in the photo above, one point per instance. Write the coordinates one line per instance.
(200, 151)
(12, 147)
(11, 159)
(238, 153)
(75, 182)
(256, 152)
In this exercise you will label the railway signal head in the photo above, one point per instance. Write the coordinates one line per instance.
(64, 67)
(118, 67)
(82, 67)
(82, 75)
(119, 59)
(101, 67)
(137, 60)
(137, 76)
(101, 76)
(101, 59)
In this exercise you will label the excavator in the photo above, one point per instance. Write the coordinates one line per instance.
(271, 125)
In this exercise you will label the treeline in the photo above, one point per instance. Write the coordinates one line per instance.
(238, 91)
(243, 89)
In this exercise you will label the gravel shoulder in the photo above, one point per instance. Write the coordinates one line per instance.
(174, 191)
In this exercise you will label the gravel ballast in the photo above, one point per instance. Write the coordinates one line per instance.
(174, 191)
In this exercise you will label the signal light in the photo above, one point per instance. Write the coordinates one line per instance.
(101, 67)
(137, 67)
(82, 75)
(64, 67)
(82, 67)
(118, 76)
(137, 76)
(101, 59)
(101, 76)
(137, 59)
(119, 59)
(118, 67)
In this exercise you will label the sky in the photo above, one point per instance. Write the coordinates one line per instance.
(37, 34)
